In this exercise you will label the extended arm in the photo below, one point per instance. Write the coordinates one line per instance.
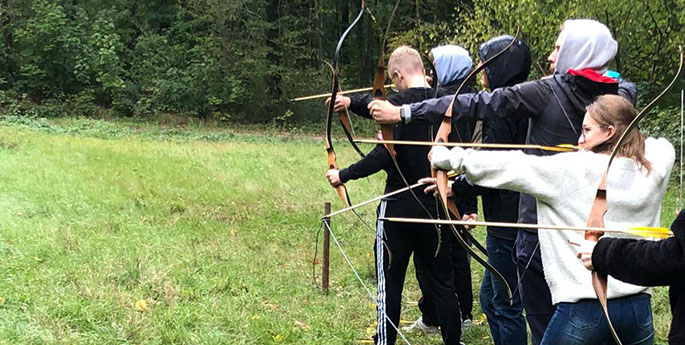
(526, 99)
(467, 192)
(375, 161)
(643, 262)
(514, 170)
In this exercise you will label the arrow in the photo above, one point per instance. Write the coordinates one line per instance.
(558, 148)
(374, 199)
(322, 95)
(639, 231)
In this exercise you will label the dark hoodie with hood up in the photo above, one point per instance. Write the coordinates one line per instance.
(511, 68)
(555, 107)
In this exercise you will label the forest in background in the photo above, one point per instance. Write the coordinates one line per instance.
(242, 60)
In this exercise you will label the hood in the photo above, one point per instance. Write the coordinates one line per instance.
(452, 87)
(510, 68)
(452, 62)
(585, 44)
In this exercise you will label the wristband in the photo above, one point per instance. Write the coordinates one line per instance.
(405, 114)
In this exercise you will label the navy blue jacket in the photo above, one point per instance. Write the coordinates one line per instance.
(555, 107)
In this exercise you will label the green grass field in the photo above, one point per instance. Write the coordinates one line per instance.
(213, 228)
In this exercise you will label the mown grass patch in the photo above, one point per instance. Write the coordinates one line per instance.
(213, 228)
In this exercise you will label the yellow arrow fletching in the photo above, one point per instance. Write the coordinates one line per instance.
(650, 232)
(561, 148)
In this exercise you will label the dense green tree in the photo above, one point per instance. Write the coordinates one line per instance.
(242, 60)
(51, 55)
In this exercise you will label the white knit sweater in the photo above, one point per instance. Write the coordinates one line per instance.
(564, 186)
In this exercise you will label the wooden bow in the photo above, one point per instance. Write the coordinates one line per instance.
(378, 92)
(441, 176)
(599, 205)
(344, 120)
(344, 116)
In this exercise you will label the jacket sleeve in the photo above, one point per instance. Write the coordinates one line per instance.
(376, 160)
(467, 192)
(628, 90)
(521, 100)
(358, 105)
(643, 262)
(524, 173)
(470, 204)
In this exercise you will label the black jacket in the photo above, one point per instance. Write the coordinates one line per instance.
(650, 263)
(511, 68)
(412, 159)
(555, 107)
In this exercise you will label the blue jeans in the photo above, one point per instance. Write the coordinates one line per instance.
(507, 324)
(533, 288)
(584, 322)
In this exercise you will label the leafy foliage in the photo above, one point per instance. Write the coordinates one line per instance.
(242, 60)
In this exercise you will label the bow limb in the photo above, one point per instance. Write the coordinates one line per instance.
(477, 257)
(449, 207)
(596, 220)
(344, 119)
(378, 92)
(340, 189)
(343, 115)
(436, 82)
(335, 86)
(599, 206)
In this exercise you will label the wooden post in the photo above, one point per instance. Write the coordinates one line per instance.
(325, 268)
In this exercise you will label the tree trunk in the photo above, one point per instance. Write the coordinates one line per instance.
(273, 78)
(362, 62)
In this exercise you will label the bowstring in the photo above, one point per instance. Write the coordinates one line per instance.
(682, 120)
(316, 253)
(361, 281)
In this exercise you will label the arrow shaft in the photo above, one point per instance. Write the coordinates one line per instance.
(322, 95)
(481, 145)
(514, 225)
(375, 199)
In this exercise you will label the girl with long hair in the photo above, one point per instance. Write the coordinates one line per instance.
(564, 186)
